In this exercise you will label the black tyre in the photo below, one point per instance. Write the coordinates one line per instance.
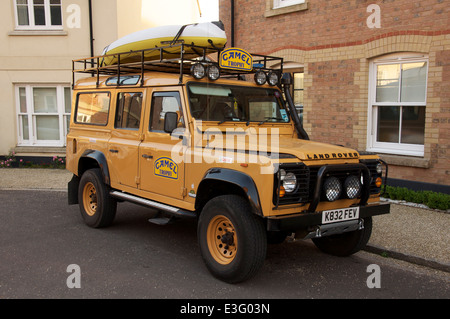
(346, 244)
(232, 239)
(97, 207)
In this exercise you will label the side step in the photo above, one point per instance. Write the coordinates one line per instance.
(152, 204)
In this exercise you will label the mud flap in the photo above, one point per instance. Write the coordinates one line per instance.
(72, 188)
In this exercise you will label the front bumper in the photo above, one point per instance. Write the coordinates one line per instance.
(311, 220)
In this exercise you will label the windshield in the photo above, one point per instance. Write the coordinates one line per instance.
(222, 103)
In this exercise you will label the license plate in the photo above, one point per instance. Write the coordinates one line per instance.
(340, 215)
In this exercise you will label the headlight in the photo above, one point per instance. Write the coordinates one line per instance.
(332, 188)
(198, 71)
(213, 72)
(379, 168)
(260, 78)
(352, 187)
(288, 180)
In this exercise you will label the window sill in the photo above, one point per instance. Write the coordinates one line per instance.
(38, 33)
(407, 161)
(271, 12)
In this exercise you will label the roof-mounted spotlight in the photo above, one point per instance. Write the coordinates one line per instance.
(213, 72)
(260, 77)
(198, 71)
(272, 78)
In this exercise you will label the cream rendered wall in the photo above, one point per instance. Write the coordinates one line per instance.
(138, 15)
(43, 58)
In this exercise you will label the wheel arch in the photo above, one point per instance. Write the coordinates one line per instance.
(223, 181)
(94, 159)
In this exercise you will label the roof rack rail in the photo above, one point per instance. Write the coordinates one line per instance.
(170, 59)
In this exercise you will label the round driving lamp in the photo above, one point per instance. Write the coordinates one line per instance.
(198, 71)
(213, 72)
(352, 187)
(332, 188)
(260, 78)
(272, 78)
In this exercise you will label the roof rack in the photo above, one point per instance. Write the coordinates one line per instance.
(174, 58)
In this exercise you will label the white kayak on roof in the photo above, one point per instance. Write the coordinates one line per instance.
(208, 34)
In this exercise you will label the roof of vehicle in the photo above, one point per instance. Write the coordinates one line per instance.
(168, 69)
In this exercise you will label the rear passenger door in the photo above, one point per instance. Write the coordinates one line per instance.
(123, 148)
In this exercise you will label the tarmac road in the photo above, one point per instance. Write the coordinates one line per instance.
(40, 236)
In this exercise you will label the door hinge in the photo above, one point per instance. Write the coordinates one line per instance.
(137, 180)
(183, 191)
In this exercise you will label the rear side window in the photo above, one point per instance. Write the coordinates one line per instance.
(128, 111)
(93, 108)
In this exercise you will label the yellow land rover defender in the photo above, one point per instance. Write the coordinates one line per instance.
(215, 136)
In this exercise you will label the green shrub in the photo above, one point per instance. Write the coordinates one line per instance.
(431, 199)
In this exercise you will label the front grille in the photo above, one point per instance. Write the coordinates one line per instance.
(307, 178)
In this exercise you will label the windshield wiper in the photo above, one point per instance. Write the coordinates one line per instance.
(271, 118)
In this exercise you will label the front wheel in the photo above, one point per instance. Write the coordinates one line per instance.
(97, 207)
(232, 239)
(346, 244)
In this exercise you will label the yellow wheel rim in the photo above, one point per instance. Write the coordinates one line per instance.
(222, 240)
(90, 199)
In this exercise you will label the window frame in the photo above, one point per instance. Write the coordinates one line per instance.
(277, 4)
(156, 94)
(31, 115)
(372, 128)
(110, 102)
(31, 21)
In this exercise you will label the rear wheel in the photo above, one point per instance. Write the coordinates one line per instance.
(346, 244)
(97, 207)
(232, 239)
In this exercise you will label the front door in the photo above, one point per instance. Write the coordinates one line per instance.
(162, 171)
(123, 146)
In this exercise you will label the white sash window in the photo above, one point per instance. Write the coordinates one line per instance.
(38, 14)
(43, 114)
(397, 102)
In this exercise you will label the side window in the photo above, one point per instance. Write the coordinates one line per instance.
(93, 108)
(163, 102)
(128, 111)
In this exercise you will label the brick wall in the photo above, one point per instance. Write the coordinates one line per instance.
(333, 42)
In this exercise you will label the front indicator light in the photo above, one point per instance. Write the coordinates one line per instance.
(281, 192)
(378, 182)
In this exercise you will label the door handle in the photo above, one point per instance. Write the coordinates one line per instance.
(114, 151)
(147, 156)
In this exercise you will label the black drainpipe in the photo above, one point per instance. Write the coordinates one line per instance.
(232, 23)
(91, 29)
